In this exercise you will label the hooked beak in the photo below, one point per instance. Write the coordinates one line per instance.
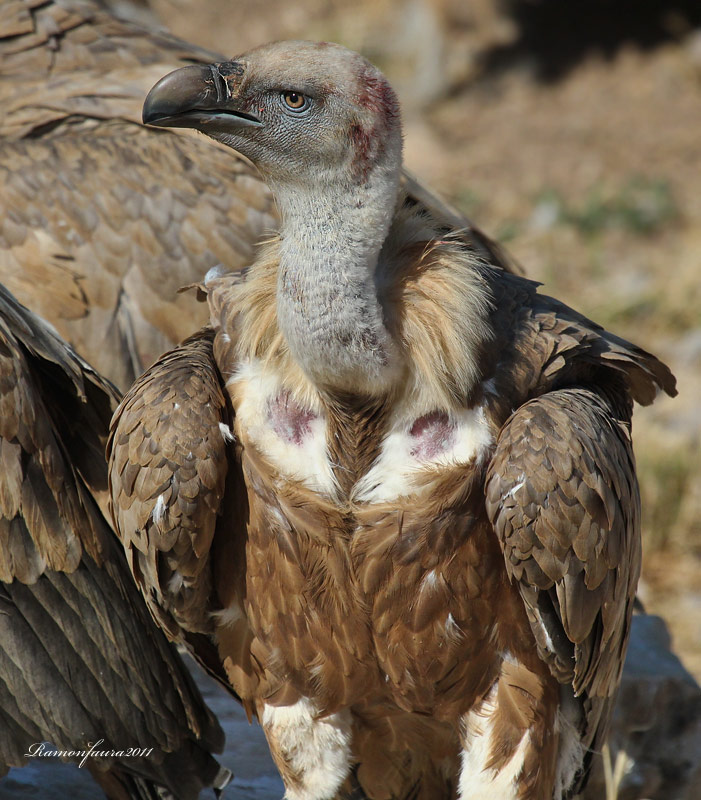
(197, 96)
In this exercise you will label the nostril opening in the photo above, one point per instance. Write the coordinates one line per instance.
(219, 83)
(226, 75)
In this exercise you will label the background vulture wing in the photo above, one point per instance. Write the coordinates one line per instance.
(563, 498)
(102, 220)
(167, 472)
(80, 658)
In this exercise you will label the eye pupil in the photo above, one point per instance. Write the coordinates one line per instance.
(294, 100)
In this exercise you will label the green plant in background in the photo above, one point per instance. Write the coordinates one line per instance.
(508, 230)
(641, 206)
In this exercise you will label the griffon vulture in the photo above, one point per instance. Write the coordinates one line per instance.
(101, 219)
(81, 661)
(393, 484)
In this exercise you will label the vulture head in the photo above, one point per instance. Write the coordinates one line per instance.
(322, 125)
(305, 113)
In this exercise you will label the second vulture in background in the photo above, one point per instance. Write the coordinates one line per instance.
(394, 485)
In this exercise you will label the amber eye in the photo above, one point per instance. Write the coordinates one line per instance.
(295, 101)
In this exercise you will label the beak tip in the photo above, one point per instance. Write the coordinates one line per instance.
(155, 111)
(147, 114)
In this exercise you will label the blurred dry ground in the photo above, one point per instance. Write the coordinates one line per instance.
(571, 131)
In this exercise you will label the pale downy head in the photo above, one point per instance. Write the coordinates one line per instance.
(322, 124)
(307, 112)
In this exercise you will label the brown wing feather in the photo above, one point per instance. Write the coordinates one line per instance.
(54, 412)
(89, 63)
(167, 472)
(563, 499)
(456, 225)
(540, 344)
(80, 658)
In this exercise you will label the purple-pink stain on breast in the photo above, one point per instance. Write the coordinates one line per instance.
(288, 420)
(433, 434)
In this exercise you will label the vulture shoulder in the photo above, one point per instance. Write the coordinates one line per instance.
(80, 659)
(563, 499)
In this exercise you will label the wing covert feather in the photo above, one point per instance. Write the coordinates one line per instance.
(168, 467)
(564, 502)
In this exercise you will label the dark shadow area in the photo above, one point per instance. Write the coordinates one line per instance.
(555, 35)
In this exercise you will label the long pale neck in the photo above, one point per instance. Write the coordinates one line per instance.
(327, 302)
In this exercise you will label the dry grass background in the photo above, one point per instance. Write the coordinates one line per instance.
(571, 131)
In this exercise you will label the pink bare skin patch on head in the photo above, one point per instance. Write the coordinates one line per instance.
(433, 434)
(367, 140)
(290, 422)
(378, 96)
(363, 150)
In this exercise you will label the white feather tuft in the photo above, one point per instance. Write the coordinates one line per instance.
(159, 510)
(214, 273)
(318, 751)
(227, 617)
(226, 432)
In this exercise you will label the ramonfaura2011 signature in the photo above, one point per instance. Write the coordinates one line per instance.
(44, 750)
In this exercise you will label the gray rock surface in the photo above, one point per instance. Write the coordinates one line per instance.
(656, 728)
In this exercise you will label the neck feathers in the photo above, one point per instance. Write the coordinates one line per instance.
(433, 303)
(327, 301)
(333, 229)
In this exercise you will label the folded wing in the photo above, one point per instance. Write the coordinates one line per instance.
(563, 499)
